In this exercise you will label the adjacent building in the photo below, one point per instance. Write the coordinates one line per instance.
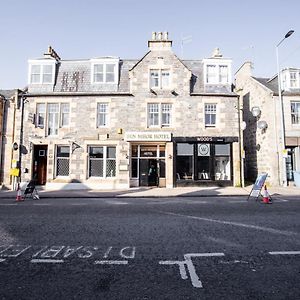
(109, 122)
(269, 141)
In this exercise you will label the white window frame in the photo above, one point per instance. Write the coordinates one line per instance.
(210, 109)
(40, 113)
(159, 78)
(66, 158)
(105, 62)
(45, 113)
(105, 159)
(218, 64)
(162, 108)
(42, 64)
(297, 103)
(105, 113)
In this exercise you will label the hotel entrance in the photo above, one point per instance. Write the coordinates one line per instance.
(148, 164)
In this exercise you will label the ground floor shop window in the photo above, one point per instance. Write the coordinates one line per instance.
(203, 162)
(102, 161)
(62, 160)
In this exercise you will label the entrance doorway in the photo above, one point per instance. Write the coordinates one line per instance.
(148, 172)
(39, 172)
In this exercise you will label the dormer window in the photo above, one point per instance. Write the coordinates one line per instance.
(290, 79)
(217, 71)
(216, 74)
(105, 71)
(41, 73)
(160, 79)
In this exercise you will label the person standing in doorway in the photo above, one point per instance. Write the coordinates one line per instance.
(152, 175)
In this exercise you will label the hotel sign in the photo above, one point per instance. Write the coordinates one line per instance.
(148, 136)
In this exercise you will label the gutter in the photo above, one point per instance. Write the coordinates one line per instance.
(74, 94)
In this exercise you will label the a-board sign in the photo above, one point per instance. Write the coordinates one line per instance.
(259, 183)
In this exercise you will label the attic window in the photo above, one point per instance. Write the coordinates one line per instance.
(41, 73)
(104, 72)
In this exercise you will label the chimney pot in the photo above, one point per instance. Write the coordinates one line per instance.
(153, 35)
(160, 36)
(166, 35)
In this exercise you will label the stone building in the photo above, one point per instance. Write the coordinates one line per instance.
(264, 150)
(109, 122)
(8, 107)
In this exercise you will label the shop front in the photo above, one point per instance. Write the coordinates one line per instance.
(204, 161)
(149, 158)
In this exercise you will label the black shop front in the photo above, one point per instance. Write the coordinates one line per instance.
(206, 161)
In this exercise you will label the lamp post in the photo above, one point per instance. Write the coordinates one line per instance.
(283, 178)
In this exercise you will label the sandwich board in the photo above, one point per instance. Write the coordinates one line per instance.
(259, 183)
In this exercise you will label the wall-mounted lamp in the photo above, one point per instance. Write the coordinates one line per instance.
(170, 156)
(255, 111)
(173, 92)
(263, 125)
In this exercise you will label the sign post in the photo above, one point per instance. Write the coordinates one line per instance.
(259, 183)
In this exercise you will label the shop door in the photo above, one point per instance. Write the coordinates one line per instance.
(39, 173)
(289, 165)
(148, 172)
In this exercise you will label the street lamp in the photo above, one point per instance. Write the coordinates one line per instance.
(283, 178)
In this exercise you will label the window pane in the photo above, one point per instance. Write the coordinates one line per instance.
(98, 73)
(111, 152)
(222, 168)
(40, 114)
(134, 168)
(211, 74)
(184, 149)
(53, 118)
(210, 114)
(62, 160)
(223, 74)
(153, 114)
(102, 114)
(96, 161)
(35, 74)
(148, 151)
(222, 149)
(166, 115)
(110, 73)
(134, 150)
(165, 79)
(111, 168)
(295, 112)
(154, 78)
(162, 168)
(96, 152)
(65, 108)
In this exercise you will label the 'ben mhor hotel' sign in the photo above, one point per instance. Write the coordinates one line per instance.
(148, 136)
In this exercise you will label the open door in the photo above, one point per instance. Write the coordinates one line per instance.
(39, 173)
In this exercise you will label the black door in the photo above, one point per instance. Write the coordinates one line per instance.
(143, 172)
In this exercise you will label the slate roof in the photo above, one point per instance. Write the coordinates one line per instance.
(272, 84)
(7, 93)
(75, 76)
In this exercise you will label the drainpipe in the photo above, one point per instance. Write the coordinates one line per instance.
(23, 99)
(2, 139)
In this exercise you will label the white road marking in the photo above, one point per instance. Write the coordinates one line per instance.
(41, 204)
(2, 260)
(285, 253)
(267, 229)
(196, 282)
(111, 262)
(52, 261)
(116, 202)
(8, 204)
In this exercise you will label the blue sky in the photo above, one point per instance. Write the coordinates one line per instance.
(243, 30)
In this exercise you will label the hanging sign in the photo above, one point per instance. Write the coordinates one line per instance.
(203, 150)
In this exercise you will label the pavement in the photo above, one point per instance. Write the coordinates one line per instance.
(155, 192)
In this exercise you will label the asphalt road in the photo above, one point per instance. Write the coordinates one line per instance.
(159, 248)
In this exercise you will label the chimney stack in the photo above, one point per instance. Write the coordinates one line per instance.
(160, 41)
